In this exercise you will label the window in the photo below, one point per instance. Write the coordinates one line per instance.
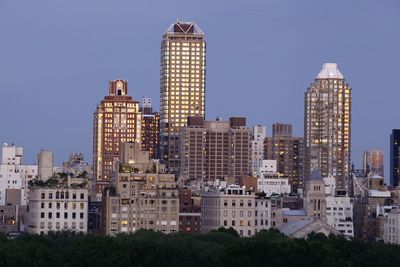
(42, 215)
(42, 196)
(233, 223)
(50, 195)
(83, 195)
(225, 223)
(81, 215)
(225, 202)
(57, 215)
(50, 215)
(241, 203)
(74, 215)
(65, 215)
(233, 202)
(50, 205)
(42, 205)
(241, 213)
(73, 195)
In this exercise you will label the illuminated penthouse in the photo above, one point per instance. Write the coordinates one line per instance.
(182, 85)
(327, 126)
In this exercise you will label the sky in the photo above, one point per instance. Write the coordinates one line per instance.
(56, 57)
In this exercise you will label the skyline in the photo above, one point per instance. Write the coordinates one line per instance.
(365, 66)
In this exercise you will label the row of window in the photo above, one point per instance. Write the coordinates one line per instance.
(58, 215)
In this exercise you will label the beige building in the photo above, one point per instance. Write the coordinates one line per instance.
(212, 150)
(141, 196)
(327, 126)
(57, 209)
(315, 196)
(182, 85)
(230, 206)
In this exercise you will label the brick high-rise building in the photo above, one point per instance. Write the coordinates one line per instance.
(394, 157)
(327, 126)
(182, 85)
(214, 149)
(150, 128)
(288, 151)
(117, 120)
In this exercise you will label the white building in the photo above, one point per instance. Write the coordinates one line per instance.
(257, 146)
(269, 181)
(339, 209)
(230, 206)
(57, 209)
(14, 175)
(391, 229)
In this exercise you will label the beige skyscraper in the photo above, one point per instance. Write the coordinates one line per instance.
(327, 126)
(182, 85)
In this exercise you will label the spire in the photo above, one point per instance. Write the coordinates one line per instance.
(330, 71)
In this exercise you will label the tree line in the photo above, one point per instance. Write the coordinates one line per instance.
(219, 248)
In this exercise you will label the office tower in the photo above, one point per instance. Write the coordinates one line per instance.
(372, 161)
(215, 149)
(327, 126)
(150, 128)
(288, 151)
(116, 120)
(257, 146)
(182, 85)
(394, 157)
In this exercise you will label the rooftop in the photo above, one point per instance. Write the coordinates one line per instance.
(182, 27)
(330, 71)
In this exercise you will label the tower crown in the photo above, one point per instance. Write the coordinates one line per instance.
(329, 71)
(118, 88)
(181, 27)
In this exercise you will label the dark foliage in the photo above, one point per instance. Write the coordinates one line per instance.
(218, 248)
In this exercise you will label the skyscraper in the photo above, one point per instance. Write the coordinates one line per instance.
(182, 85)
(117, 120)
(150, 128)
(288, 151)
(327, 126)
(394, 157)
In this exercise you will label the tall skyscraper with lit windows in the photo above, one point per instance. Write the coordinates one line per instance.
(327, 126)
(182, 86)
(117, 120)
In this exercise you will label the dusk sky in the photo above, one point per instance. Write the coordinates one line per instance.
(56, 58)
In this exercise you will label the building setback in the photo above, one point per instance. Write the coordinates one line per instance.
(211, 150)
(182, 85)
(117, 119)
(327, 126)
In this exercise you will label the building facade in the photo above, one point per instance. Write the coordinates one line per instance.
(182, 86)
(142, 196)
(394, 157)
(226, 207)
(257, 146)
(212, 150)
(327, 126)
(150, 129)
(57, 209)
(117, 119)
(288, 151)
